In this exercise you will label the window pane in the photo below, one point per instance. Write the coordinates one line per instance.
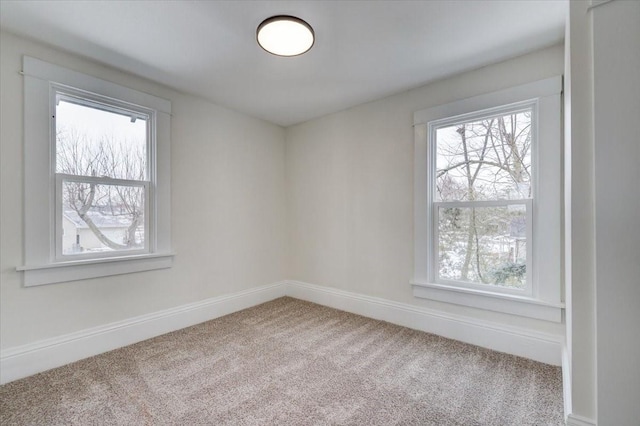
(488, 159)
(102, 218)
(100, 141)
(484, 245)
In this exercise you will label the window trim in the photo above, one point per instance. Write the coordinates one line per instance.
(545, 299)
(41, 80)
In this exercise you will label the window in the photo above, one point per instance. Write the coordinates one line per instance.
(102, 176)
(488, 197)
(96, 177)
(482, 199)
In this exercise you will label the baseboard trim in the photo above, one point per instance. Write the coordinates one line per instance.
(23, 361)
(566, 381)
(574, 420)
(26, 360)
(518, 341)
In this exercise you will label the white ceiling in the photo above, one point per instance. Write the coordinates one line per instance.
(364, 50)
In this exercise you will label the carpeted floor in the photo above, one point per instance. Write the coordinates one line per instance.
(289, 362)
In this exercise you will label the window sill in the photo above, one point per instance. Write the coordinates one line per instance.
(510, 304)
(93, 268)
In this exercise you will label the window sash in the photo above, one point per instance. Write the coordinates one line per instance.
(512, 108)
(102, 103)
(481, 203)
(434, 255)
(149, 241)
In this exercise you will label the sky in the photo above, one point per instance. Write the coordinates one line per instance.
(96, 123)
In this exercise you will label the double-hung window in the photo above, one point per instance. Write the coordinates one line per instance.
(103, 185)
(96, 177)
(488, 201)
(481, 199)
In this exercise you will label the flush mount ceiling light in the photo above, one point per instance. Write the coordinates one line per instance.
(285, 35)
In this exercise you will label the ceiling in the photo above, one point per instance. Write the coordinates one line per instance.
(364, 50)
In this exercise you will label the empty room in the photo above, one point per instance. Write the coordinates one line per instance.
(320, 212)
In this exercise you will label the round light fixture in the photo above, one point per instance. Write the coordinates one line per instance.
(285, 35)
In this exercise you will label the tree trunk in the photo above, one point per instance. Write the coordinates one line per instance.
(82, 212)
(464, 273)
(103, 239)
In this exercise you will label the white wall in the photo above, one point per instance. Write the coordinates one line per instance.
(350, 188)
(616, 94)
(228, 212)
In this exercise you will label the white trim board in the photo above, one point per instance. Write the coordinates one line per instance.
(574, 420)
(566, 380)
(23, 361)
(543, 347)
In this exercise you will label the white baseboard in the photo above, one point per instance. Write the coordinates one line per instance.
(23, 361)
(518, 341)
(566, 380)
(573, 420)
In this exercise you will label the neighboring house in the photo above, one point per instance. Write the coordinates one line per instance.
(77, 236)
(518, 238)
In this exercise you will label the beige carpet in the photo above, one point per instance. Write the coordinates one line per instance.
(289, 362)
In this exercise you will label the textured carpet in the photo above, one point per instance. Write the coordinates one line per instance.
(289, 362)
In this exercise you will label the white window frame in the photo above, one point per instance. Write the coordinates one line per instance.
(44, 262)
(542, 297)
(432, 213)
(91, 100)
